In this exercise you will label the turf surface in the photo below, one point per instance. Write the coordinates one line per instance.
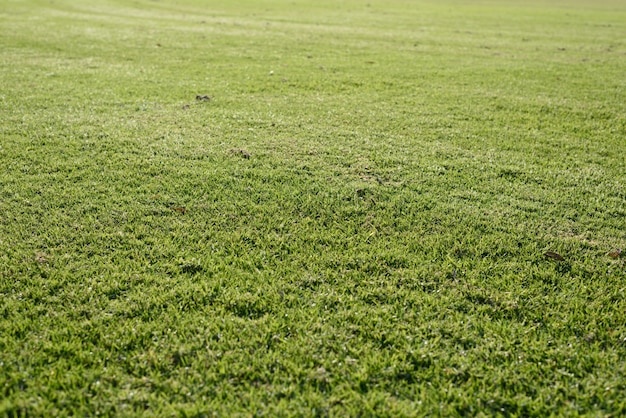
(281, 208)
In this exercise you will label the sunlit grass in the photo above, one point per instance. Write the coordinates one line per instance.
(354, 220)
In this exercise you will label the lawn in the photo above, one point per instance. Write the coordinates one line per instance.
(312, 208)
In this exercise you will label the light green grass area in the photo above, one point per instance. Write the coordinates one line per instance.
(352, 222)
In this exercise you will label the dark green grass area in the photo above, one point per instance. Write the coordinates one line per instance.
(353, 221)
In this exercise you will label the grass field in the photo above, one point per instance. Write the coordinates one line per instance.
(312, 208)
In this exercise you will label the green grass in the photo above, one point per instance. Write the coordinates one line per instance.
(354, 224)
